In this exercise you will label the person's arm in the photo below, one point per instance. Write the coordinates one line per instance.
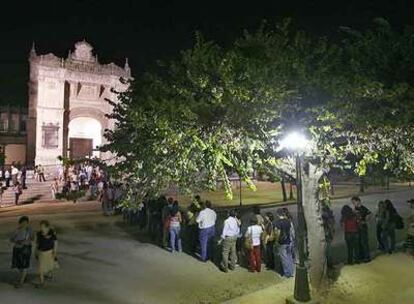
(247, 234)
(369, 215)
(225, 228)
(199, 218)
(36, 249)
(12, 239)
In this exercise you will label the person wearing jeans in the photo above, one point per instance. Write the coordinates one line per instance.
(175, 227)
(363, 215)
(206, 220)
(282, 226)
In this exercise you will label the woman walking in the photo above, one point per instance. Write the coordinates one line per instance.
(46, 251)
(253, 235)
(350, 225)
(175, 227)
(22, 249)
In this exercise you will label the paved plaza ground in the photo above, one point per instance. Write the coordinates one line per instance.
(103, 261)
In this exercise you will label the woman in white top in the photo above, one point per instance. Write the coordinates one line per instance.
(254, 233)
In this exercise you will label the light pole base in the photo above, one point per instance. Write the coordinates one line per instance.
(291, 300)
(302, 292)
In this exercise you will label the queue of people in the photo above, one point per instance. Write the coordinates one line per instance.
(45, 251)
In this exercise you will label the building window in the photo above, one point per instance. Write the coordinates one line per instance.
(23, 123)
(14, 123)
(50, 136)
(4, 122)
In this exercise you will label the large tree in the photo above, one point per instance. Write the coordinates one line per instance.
(216, 111)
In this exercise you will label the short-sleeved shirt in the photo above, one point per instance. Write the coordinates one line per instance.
(46, 243)
(22, 237)
(283, 225)
(255, 233)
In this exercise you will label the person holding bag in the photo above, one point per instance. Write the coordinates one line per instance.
(253, 242)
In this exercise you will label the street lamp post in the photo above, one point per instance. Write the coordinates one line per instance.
(297, 143)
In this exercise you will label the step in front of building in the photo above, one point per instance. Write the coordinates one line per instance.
(35, 192)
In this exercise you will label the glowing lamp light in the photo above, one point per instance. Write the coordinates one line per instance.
(294, 141)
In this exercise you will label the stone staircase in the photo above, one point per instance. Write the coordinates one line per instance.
(35, 192)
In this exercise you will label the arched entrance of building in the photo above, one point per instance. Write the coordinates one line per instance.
(84, 136)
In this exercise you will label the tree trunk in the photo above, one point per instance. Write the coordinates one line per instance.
(387, 182)
(283, 186)
(361, 184)
(291, 191)
(315, 231)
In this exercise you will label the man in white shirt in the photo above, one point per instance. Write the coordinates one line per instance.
(231, 231)
(206, 220)
(14, 173)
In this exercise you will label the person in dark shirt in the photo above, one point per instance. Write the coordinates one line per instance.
(350, 225)
(363, 215)
(46, 251)
(282, 230)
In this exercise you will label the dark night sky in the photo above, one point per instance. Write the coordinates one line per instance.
(148, 30)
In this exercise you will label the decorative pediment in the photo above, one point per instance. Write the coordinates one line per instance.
(83, 52)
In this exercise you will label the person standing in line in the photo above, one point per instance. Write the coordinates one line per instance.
(229, 236)
(17, 189)
(350, 225)
(282, 231)
(363, 216)
(46, 252)
(258, 215)
(206, 220)
(41, 173)
(193, 232)
(254, 234)
(292, 234)
(22, 240)
(380, 217)
(165, 216)
(388, 227)
(328, 220)
(7, 178)
(269, 240)
(175, 227)
(23, 176)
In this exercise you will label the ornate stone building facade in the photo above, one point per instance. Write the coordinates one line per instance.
(68, 103)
